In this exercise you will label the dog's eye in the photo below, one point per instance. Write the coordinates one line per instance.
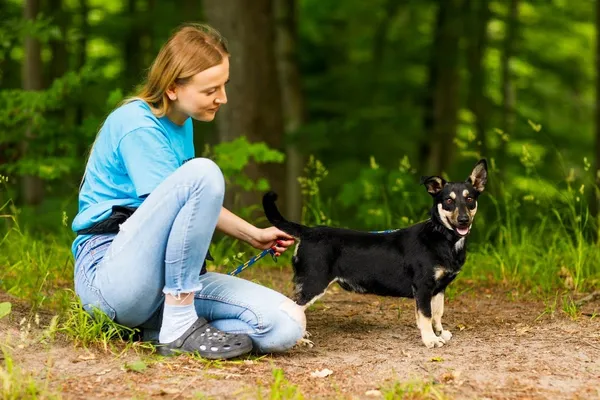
(449, 201)
(469, 200)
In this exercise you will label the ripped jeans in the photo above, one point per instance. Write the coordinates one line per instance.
(160, 249)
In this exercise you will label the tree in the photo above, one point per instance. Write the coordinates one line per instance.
(442, 97)
(595, 201)
(292, 96)
(507, 121)
(254, 101)
(32, 188)
(478, 18)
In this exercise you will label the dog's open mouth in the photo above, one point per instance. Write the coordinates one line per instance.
(462, 230)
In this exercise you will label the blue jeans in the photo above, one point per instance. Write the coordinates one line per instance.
(160, 250)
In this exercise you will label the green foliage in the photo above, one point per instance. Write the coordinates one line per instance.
(414, 390)
(16, 384)
(234, 156)
(95, 329)
(35, 269)
(282, 389)
(5, 308)
(52, 155)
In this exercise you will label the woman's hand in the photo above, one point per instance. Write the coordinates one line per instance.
(271, 238)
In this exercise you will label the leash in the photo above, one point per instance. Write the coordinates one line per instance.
(257, 257)
(254, 259)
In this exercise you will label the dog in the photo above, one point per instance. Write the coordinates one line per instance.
(417, 262)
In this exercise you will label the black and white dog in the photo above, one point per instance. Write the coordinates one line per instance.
(417, 262)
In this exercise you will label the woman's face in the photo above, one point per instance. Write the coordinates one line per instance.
(201, 97)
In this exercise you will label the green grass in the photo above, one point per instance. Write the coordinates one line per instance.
(539, 244)
(16, 384)
(413, 390)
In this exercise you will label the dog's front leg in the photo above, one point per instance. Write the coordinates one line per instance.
(424, 320)
(437, 311)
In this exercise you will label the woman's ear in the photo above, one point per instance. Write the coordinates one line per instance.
(172, 92)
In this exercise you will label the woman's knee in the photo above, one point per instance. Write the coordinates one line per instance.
(207, 174)
(286, 327)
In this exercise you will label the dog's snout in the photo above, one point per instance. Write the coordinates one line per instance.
(463, 219)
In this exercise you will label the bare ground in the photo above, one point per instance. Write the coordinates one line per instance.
(504, 347)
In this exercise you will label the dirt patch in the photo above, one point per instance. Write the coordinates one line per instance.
(503, 348)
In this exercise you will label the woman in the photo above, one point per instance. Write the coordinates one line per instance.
(148, 210)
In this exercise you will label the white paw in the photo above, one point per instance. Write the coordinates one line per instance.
(446, 335)
(432, 341)
(307, 334)
(305, 342)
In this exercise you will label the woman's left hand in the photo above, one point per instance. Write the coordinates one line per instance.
(272, 238)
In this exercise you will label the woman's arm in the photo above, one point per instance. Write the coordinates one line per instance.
(234, 226)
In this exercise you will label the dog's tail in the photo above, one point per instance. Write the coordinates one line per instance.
(275, 217)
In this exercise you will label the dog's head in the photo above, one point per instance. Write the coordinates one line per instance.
(456, 202)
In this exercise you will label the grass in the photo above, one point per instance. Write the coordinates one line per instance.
(531, 245)
(20, 385)
(413, 390)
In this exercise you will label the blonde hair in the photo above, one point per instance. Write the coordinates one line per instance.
(191, 49)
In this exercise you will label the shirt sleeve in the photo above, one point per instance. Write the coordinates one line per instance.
(148, 158)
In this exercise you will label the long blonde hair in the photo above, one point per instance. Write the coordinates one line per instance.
(192, 48)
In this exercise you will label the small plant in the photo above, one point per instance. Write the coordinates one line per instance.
(281, 388)
(97, 329)
(570, 308)
(5, 308)
(415, 390)
(313, 209)
(550, 305)
(17, 384)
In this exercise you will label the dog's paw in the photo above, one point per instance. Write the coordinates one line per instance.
(307, 334)
(446, 335)
(305, 342)
(432, 341)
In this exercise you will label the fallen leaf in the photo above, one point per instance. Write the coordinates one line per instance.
(5, 309)
(447, 377)
(322, 373)
(104, 372)
(87, 357)
(373, 393)
(135, 366)
(437, 359)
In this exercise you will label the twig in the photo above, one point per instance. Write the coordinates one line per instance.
(588, 298)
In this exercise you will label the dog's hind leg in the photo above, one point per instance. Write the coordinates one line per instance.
(437, 311)
(424, 320)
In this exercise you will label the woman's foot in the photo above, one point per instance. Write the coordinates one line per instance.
(209, 342)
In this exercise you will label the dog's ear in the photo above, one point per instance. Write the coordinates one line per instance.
(478, 177)
(434, 184)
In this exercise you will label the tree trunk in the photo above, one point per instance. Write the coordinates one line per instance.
(441, 102)
(58, 48)
(507, 122)
(82, 57)
(479, 16)
(132, 49)
(595, 198)
(293, 99)
(254, 108)
(32, 186)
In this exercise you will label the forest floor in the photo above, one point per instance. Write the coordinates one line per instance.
(506, 345)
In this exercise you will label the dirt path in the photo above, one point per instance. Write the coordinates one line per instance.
(501, 349)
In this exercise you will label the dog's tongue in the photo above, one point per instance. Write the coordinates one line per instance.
(462, 231)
